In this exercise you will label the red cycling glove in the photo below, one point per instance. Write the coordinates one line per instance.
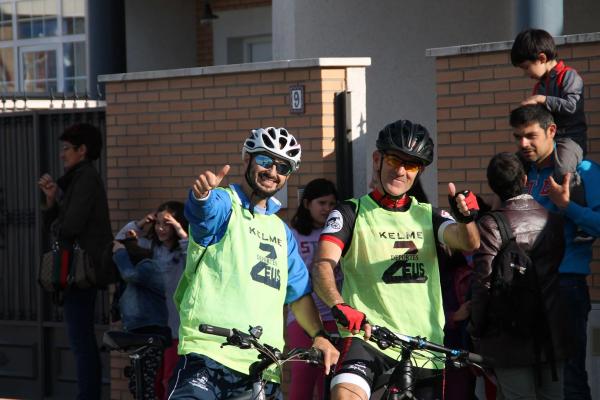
(472, 205)
(349, 317)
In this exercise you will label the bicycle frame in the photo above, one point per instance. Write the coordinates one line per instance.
(402, 380)
(258, 384)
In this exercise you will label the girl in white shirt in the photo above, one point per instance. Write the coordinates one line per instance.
(318, 199)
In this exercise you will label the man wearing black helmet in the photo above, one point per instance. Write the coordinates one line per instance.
(386, 244)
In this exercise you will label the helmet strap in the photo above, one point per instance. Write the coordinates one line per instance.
(247, 174)
(385, 192)
(255, 192)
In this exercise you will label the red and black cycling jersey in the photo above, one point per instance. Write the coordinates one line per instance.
(344, 216)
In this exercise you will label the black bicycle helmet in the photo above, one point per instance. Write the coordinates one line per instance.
(408, 138)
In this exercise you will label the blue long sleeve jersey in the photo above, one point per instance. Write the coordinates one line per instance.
(577, 255)
(209, 218)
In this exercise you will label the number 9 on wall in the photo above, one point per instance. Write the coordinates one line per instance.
(297, 99)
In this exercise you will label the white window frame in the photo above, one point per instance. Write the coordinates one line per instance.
(57, 48)
(17, 44)
(249, 41)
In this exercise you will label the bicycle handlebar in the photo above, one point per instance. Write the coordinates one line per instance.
(386, 338)
(268, 354)
(215, 330)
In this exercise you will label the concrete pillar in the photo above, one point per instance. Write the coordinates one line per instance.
(284, 29)
(540, 14)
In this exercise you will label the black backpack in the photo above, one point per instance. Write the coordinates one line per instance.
(515, 301)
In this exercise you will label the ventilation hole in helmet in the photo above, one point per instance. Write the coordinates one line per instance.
(250, 143)
(272, 133)
(293, 152)
(293, 142)
(282, 142)
(268, 142)
(413, 141)
(283, 131)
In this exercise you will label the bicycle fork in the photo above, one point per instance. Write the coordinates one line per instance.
(258, 391)
(402, 379)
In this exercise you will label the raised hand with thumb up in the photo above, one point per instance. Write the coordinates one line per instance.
(463, 204)
(207, 181)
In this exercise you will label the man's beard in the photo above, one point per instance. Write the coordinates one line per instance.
(263, 193)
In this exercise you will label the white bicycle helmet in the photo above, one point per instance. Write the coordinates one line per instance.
(276, 141)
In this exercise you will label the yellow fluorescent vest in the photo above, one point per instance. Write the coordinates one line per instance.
(391, 272)
(238, 282)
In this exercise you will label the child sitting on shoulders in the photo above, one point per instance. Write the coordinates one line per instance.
(559, 88)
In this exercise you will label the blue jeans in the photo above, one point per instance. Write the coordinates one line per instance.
(202, 378)
(574, 291)
(79, 306)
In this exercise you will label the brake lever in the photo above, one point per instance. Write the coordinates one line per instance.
(237, 343)
(314, 356)
(381, 336)
(459, 362)
(239, 339)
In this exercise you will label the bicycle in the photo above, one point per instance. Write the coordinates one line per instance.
(139, 348)
(398, 383)
(268, 355)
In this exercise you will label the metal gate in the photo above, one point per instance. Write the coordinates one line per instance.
(35, 360)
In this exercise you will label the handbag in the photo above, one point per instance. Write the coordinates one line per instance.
(82, 271)
(61, 269)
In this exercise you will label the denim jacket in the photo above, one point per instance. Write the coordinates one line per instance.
(171, 264)
(143, 302)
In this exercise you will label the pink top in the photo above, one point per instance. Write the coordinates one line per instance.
(307, 246)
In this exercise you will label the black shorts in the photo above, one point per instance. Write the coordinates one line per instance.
(359, 358)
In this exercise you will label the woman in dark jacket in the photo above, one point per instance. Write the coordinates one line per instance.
(77, 211)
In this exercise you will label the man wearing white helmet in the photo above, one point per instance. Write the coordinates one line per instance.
(242, 267)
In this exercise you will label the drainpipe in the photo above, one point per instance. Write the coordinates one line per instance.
(540, 14)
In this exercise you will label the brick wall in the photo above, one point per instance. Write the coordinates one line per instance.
(161, 133)
(204, 32)
(475, 93)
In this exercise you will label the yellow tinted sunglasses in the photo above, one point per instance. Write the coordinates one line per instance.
(397, 162)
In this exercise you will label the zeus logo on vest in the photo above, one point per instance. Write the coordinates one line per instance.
(403, 271)
(266, 271)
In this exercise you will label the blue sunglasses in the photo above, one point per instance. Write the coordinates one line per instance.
(267, 162)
